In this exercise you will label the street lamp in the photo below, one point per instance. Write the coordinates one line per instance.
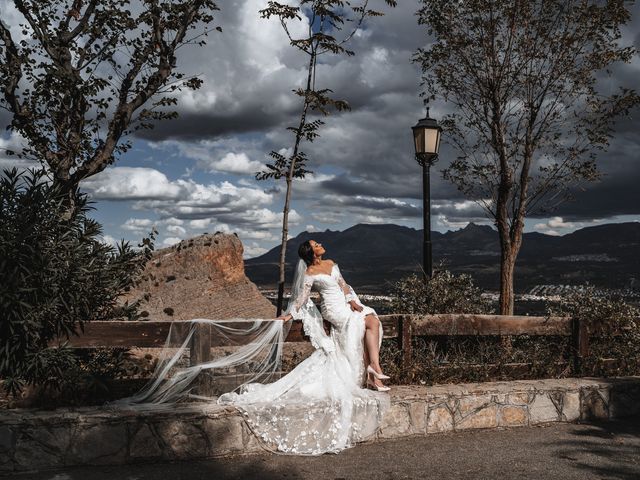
(426, 138)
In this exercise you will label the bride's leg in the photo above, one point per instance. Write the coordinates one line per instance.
(365, 353)
(372, 341)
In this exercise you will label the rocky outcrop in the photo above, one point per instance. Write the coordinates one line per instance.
(202, 277)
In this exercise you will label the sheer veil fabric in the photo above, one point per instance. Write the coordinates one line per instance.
(318, 407)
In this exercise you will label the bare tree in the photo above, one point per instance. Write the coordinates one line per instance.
(326, 34)
(529, 115)
(78, 77)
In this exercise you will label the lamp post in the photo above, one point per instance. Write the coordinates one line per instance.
(426, 138)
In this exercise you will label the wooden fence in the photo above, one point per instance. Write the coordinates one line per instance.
(153, 334)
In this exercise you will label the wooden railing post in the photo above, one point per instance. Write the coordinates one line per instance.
(580, 339)
(200, 352)
(200, 347)
(405, 331)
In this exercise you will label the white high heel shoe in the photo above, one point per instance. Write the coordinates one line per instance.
(379, 376)
(377, 387)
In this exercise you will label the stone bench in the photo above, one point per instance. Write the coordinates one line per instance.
(38, 440)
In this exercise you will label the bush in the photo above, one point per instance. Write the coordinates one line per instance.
(464, 359)
(55, 274)
(614, 340)
(613, 328)
(445, 292)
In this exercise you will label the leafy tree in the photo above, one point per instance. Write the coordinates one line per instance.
(326, 34)
(55, 275)
(529, 114)
(79, 77)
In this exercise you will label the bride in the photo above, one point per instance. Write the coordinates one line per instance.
(336, 295)
(318, 407)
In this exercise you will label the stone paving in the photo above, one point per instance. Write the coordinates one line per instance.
(37, 440)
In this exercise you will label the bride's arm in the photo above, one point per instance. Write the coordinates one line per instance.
(346, 288)
(304, 309)
(300, 301)
(349, 294)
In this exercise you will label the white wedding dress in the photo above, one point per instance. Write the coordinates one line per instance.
(318, 407)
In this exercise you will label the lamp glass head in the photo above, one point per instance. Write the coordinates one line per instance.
(426, 136)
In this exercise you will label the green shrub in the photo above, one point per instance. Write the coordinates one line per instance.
(613, 327)
(614, 340)
(479, 358)
(445, 292)
(55, 274)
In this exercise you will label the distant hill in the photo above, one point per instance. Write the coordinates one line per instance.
(373, 256)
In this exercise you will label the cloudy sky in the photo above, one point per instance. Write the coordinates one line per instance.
(196, 174)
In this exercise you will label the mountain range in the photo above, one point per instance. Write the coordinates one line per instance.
(372, 257)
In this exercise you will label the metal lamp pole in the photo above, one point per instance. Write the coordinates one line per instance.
(426, 135)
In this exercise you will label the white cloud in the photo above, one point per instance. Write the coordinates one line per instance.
(244, 182)
(130, 183)
(253, 250)
(256, 234)
(167, 242)
(222, 206)
(14, 142)
(238, 163)
(200, 223)
(171, 221)
(465, 205)
(182, 199)
(252, 60)
(328, 217)
(373, 219)
(214, 156)
(558, 222)
(109, 240)
(137, 224)
(317, 177)
(176, 230)
(443, 221)
(310, 228)
(557, 226)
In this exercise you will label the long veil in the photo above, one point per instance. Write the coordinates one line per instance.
(240, 352)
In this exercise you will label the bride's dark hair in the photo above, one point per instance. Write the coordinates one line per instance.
(305, 252)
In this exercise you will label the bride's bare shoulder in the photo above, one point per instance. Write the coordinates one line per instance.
(313, 269)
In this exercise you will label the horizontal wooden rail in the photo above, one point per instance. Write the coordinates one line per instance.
(465, 324)
(153, 334)
(149, 334)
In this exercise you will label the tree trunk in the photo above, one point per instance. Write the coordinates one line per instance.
(67, 190)
(507, 264)
(283, 249)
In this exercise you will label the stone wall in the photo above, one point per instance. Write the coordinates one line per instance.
(202, 277)
(36, 440)
(424, 410)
